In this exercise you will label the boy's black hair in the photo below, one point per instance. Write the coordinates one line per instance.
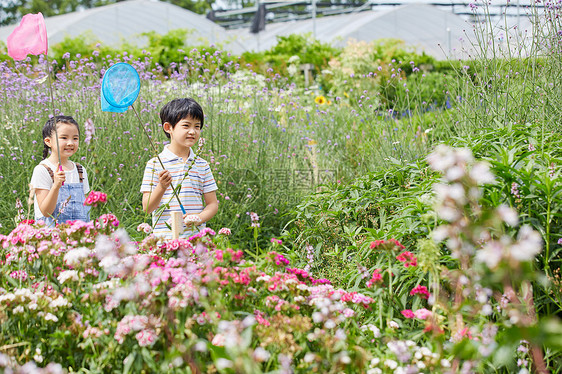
(49, 129)
(178, 109)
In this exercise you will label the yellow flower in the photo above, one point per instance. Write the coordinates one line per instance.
(320, 100)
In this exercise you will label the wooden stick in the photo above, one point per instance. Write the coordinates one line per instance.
(177, 224)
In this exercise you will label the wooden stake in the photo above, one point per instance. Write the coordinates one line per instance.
(177, 224)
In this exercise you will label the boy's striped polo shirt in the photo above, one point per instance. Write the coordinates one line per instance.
(200, 181)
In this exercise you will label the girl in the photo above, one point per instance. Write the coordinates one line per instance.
(60, 191)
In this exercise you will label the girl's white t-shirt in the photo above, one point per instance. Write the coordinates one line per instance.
(41, 179)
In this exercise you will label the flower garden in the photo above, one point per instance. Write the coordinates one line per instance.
(399, 215)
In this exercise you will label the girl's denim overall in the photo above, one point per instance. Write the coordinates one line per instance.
(71, 199)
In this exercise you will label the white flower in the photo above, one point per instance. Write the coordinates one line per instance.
(440, 233)
(448, 213)
(508, 215)
(59, 302)
(309, 357)
(481, 174)
(51, 317)
(74, 257)
(454, 191)
(261, 355)
(18, 309)
(292, 70)
(68, 275)
(294, 59)
(491, 254)
(375, 330)
(223, 363)
(391, 364)
(454, 173)
(344, 359)
(393, 325)
(486, 310)
(528, 245)
(442, 158)
(192, 218)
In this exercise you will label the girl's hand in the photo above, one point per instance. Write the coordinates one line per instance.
(192, 219)
(59, 177)
(165, 179)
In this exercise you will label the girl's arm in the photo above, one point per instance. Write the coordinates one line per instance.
(47, 199)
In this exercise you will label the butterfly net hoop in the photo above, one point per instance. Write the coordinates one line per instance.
(121, 85)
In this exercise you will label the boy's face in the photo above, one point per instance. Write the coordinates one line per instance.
(186, 133)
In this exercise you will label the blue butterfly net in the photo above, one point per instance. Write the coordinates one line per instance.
(120, 88)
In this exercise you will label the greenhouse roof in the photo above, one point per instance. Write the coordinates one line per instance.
(439, 33)
(126, 20)
(426, 28)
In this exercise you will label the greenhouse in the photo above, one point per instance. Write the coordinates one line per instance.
(441, 32)
(125, 21)
(436, 32)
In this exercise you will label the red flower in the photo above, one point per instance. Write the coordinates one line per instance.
(408, 259)
(421, 290)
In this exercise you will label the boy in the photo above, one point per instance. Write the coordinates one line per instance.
(182, 120)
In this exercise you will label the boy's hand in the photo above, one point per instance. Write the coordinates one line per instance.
(59, 177)
(192, 220)
(165, 179)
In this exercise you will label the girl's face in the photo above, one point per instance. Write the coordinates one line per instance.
(68, 140)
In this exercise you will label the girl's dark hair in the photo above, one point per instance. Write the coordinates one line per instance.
(49, 129)
(178, 109)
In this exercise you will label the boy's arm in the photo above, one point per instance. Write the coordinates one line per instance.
(151, 200)
(211, 206)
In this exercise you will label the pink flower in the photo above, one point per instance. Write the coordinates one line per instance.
(320, 281)
(280, 260)
(19, 274)
(421, 290)
(422, 313)
(408, 259)
(377, 277)
(276, 241)
(408, 313)
(390, 244)
(95, 197)
(225, 231)
(146, 337)
(144, 227)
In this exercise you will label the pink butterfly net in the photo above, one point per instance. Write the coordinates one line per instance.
(29, 38)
